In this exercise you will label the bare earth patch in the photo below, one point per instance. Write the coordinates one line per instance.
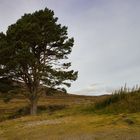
(45, 122)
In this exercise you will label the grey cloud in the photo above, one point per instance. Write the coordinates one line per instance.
(109, 36)
(106, 33)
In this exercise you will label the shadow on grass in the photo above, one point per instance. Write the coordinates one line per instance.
(24, 111)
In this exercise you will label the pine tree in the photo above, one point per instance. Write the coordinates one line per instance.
(34, 51)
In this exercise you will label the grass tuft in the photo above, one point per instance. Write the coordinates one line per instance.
(123, 100)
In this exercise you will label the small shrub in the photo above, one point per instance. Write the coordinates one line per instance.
(129, 121)
(52, 108)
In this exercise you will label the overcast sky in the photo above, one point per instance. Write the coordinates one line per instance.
(107, 39)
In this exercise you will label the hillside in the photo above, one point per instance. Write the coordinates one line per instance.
(70, 117)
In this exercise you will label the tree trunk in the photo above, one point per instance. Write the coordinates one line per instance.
(33, 107)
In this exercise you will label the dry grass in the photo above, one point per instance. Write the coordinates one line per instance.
(49, 102)
(78, 127)
(70, 123)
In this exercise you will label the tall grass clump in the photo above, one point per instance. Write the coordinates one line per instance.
(123, 100)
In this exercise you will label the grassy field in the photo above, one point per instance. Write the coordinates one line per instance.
(67, 118)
